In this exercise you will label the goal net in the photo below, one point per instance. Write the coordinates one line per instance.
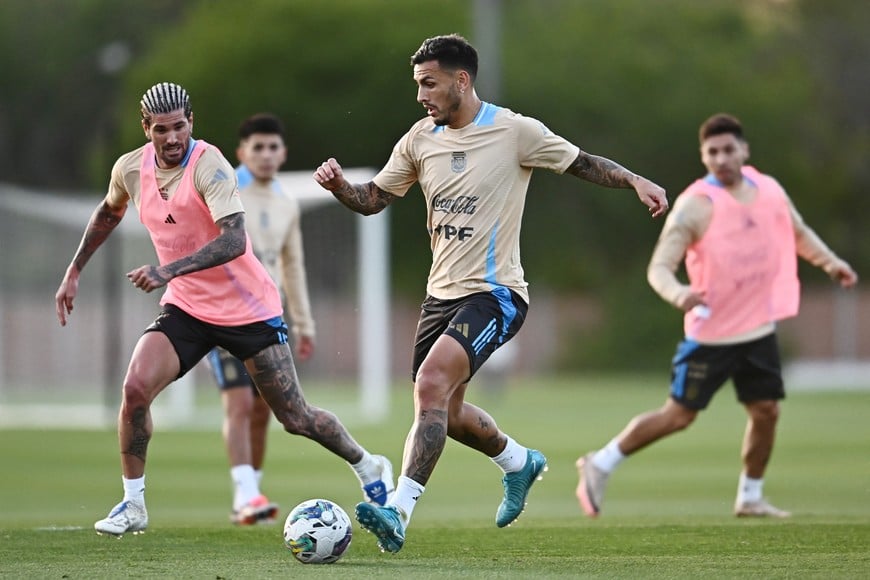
(71, 377)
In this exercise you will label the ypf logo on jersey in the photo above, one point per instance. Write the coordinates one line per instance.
(457, 161)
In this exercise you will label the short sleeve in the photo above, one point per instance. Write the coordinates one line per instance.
(215, 180)
(539, 147)
(400, 172)
(124, 179)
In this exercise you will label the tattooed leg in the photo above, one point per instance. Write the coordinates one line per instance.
(424, 444)
(134, 433)
(439, 383)
(474, 427)
(274, 373)
(153, 366)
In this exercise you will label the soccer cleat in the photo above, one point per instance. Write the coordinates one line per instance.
(378, 492)
(759, 509)
(385, 523)
(590, 490)
(257, 511)
(127, 516)
(516, 487)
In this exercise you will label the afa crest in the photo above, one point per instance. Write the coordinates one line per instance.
(457, 161)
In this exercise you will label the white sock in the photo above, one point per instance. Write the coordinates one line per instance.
(513, 458)
(367, 469)
(407, 494)
(245, 485)
(134, 489)
(258, 473)
(748, 489)
(608, 457)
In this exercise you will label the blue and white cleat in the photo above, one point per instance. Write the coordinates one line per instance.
(378, 492)
(127, 516)
(516, 487)
(385, 523)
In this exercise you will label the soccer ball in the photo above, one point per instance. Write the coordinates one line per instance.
(317, 531)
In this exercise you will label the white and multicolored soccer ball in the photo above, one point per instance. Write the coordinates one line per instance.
(317, 531)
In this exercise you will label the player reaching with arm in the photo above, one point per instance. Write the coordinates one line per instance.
(739, 234)
(473, 161)
(217, 294)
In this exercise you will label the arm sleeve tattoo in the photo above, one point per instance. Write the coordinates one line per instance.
(364, 198)
(104, 219)
(229, 244)
(601, 171)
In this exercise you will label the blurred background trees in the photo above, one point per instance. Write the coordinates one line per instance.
(627, 79)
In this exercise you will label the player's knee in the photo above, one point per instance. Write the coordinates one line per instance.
(136, 393)
(298, 422)
(239, 408)
(682, 419)
(432, 388)
(764, 411)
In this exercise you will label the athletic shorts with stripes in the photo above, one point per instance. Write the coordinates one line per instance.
(480, 322)
(193, 339)
(699, 370)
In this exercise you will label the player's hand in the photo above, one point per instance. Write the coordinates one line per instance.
(148, 278)
(329, 175)
(652, 196)
(843, 273)
(66, 294)
(689, 299)
(304, 347)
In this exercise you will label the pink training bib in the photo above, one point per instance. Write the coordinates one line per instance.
(232, 294)
(746, 262)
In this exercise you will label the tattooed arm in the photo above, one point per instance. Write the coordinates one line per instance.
(228, 245)
(366, 198)
(103, 221)
(608, 173)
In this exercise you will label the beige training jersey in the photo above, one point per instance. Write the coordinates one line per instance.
(475, 180)
(220, 195)
(274, 224)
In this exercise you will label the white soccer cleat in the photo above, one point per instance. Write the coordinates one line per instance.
(759, 509)
(127, 516)
(379, 491)
(590, 489)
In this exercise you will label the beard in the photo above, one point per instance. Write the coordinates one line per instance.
(454, 100)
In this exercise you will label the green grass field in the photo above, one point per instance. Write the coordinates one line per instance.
(667, 514)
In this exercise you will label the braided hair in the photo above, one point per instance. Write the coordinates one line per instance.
(164, 98)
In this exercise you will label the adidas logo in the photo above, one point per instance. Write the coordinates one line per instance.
(169, 219)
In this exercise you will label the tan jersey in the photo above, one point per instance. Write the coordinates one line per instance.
(220, 195)
(475, 181)
(274, 224)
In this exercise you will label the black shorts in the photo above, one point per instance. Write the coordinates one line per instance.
(228, 371)
(699, 370)
(481, 323)
(193, 339)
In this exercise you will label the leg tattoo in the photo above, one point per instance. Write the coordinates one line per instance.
(475, 428)
(274, 374)
(428, 437)
(137, 444)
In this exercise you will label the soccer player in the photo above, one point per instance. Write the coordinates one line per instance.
(217, 294)
(739, 234)
(473, 161)
(276, 236)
